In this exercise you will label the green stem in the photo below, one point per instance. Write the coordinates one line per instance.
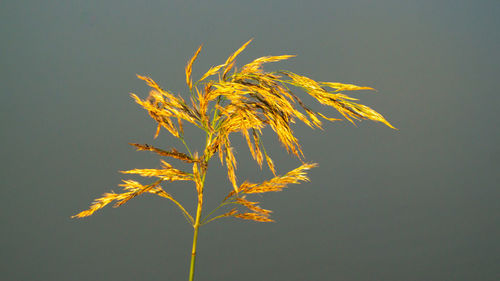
(204, 220)
(196, 226)
(187, 147)
(200, 183)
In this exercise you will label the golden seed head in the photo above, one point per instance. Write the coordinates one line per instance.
(243, 102)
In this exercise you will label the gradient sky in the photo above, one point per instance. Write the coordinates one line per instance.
(421, 203)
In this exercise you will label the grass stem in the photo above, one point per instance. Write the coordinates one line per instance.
(196, 226)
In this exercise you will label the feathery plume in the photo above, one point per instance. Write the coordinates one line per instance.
(241, 101)
(189, 68)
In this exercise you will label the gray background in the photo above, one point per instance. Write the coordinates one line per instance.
(420, 203)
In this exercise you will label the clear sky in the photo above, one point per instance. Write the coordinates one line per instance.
(421, 203)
